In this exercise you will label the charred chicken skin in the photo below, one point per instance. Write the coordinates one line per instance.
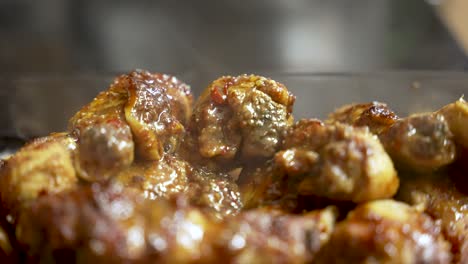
(144, 176)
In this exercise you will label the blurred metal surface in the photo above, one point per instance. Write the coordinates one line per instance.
(41, 105)
(222, 36)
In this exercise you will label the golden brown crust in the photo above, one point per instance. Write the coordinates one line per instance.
(375, 115)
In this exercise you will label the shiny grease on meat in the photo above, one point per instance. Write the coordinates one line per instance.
(236, 180)
(238, 120)
(112, 224)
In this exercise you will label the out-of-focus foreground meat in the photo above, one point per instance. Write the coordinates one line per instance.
(238, 120)
(110, 224)
(157, 109)
(386, 231)
(438, 196)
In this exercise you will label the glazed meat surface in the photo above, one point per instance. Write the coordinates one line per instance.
(375, 115)
(143, 176)
(157, 109)
(386, 231)
(336, 161)
(238, 120)
(141, 112)
(104, 139)
(109, 224)
(155, 179)
(421, 142)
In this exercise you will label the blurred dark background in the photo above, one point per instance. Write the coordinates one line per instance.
(221, 36)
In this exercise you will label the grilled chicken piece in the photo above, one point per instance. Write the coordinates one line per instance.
(43, 166)
(375, 115)
(139, 110)
(386, 231)
(154, 179)
(111, 225)
(438, 196)
(237, 121)
(338, 162)
(420, 142)
(456, 115)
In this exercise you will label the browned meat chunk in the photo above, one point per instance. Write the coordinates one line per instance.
(438, 197)
(386, 231)
(140, 110)
(42, 166)
(420, 142)
(104, 139)
(456, 115)
(375, 115)
(157, 109)
(154, 179)
(338, 162)
(239, 120)
(111, 225)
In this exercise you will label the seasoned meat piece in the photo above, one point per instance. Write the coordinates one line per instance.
(104, 139)
(420, 142)
(338, 162)
(154, 179)
(456, 115)
(218, 194)
(375, 115)
(386, 231)
(239, 120)
(139, 109)
(113, 226)
(437, 196)
(158, 107)
(40, 167)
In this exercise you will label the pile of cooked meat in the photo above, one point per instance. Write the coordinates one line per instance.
(145, 175)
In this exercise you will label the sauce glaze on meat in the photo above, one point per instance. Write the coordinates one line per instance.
(143, 175)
